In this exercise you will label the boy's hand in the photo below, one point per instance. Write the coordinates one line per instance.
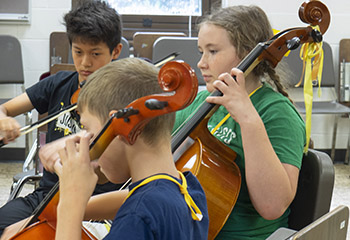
(48, 153)
(9, 129)
(76, 172)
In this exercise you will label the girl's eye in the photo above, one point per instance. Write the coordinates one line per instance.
(213, 51)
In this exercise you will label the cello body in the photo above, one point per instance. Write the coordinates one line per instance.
(212, 162)
(45, 227)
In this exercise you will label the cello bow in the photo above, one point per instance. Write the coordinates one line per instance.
(74, 99)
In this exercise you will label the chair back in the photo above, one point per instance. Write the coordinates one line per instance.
(143, 42)
(125, 53)
(11, 65)
(186, 47)
(315, 188)
(333, 225)
(295, 66)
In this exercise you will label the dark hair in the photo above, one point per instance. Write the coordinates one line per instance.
(94, 22)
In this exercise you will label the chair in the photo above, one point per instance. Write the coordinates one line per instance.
(143, 42)
(11, 69)
(29, 174)
(333, 107)
(186, 48)
(60, 51)
(332, 225)
(315, 188)
(125, 53)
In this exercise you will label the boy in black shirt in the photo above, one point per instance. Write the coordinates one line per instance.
(94, 32)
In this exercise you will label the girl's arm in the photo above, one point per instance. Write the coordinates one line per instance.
(271, 184)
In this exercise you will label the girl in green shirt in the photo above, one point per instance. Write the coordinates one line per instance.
(263, 127)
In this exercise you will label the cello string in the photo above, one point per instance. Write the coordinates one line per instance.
(200, 106)
(229, 115)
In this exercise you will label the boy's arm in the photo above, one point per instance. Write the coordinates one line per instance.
(9, 127)
(48, 155)
(105, 206)
(100, 207)
(69, 224)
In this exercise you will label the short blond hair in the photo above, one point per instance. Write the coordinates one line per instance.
(116, 85)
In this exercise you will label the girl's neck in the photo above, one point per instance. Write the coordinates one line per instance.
(252, 83)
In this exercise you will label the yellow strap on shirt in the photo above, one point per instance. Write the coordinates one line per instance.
(312, 72)
(195, 211)
(228, 115)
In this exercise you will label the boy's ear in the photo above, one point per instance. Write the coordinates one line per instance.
(112, 112)
(116, 51)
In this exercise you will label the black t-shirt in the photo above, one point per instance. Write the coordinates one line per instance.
(51, 95)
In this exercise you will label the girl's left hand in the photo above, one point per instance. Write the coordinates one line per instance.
(235, 97)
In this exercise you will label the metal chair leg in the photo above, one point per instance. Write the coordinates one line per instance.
(19, 185)
(346, 160)
(334, 138)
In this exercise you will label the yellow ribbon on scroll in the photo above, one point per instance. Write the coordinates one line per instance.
(312, 72)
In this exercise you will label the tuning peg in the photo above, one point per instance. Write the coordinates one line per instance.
(293, 43)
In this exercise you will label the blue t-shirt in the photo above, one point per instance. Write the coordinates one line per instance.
(158, 210)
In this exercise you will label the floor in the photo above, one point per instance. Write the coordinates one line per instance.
(341, 192)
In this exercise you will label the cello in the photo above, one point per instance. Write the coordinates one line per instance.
(209, 159)
(260, 53)
(179, 82)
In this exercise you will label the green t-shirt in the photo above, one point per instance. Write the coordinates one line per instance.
(286, 131)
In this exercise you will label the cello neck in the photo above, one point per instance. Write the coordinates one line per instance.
(246, 65)
(44, 203)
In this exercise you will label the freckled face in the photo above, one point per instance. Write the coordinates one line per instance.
(218, 54)
(112, 161)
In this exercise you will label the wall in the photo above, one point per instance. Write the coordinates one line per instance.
(284, 14)
(46, 17)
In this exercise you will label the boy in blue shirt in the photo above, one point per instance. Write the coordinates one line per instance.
(155, 206)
